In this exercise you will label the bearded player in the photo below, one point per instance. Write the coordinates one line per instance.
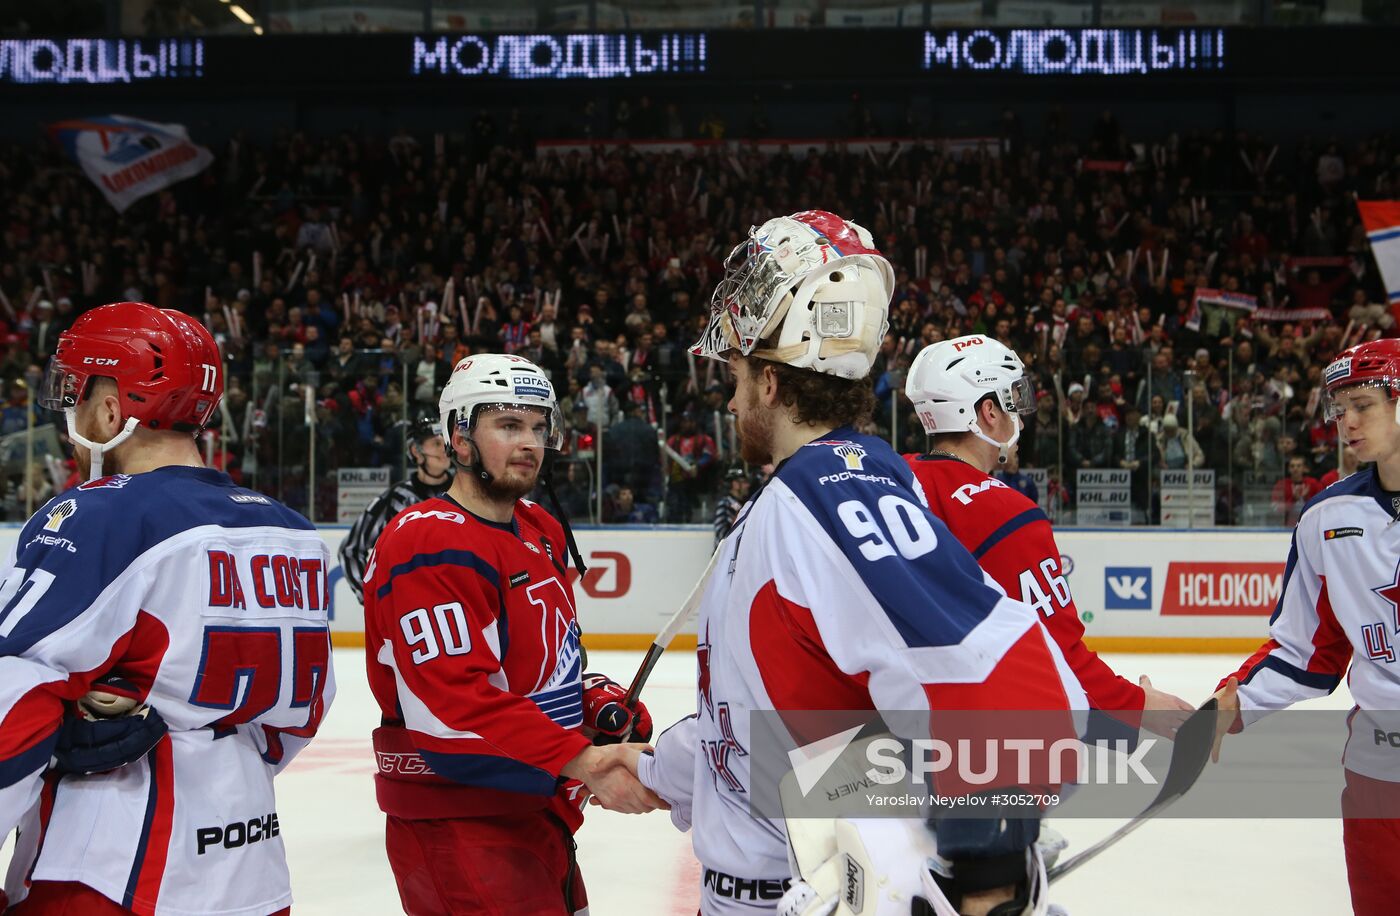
(486, 752)
(837, 589)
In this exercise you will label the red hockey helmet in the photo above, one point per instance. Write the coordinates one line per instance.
(1374, 364)
(166, 365)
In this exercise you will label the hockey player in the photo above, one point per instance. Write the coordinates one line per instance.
(474, 658)
(838, 589)
(970, 393)
(1338, 611)
(432, 472)
(156, 591)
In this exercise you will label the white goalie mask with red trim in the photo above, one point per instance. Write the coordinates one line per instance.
(808, 290)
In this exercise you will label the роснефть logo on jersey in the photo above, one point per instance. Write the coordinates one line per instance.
(1127, 588)
(852, 454)
(60, 514)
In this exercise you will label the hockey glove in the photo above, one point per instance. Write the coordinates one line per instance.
(106, 731)
(604, 712)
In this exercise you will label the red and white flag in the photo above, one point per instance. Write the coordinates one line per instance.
(1382, 220)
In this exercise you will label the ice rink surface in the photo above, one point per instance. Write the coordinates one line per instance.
(641, 866)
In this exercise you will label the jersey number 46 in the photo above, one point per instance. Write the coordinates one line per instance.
(1050, 597)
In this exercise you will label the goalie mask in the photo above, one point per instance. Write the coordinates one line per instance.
(808, 290)
(949, 378)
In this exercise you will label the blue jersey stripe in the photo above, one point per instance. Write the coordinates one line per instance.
(1008, 528)
(1287, 574)
(443, 558)
(27, 762)
(489, 772)
(1314, 679)
(142, 844)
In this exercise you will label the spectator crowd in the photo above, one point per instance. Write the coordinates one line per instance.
(1175, 297)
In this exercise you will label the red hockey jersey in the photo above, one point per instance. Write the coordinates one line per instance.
(474, 657)
(1012, 540)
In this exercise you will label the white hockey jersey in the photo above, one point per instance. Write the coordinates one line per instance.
(837, 589)
(209, 598)
(1339, 610)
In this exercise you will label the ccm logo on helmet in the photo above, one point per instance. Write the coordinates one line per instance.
(99, 361)
(960, 345)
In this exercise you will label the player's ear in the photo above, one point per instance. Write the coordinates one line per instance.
(767, 382)
(461, 446)
(107, 407)
(988, 411)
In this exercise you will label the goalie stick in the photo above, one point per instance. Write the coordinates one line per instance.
(1190, 753)
(668, 632)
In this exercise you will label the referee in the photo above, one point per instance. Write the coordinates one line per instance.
(432, 475)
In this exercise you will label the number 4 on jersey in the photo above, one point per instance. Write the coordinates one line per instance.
(1052, 596)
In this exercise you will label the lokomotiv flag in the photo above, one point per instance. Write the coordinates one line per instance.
(1382, 220)
(128, 158)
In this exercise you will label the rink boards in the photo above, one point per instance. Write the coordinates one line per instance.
(1147, 590)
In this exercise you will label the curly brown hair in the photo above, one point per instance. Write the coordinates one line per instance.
(817, 397)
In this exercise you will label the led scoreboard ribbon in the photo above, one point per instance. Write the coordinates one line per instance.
(99, 61)
(591, 56)
(1073, 52)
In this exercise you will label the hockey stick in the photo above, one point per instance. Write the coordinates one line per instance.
(1190, 754)
(668, 632)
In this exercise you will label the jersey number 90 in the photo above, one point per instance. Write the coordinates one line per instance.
(442, 631)
(902, 528)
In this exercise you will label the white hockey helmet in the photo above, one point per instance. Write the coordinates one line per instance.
(948, 378)
(811, 288)
(498, 381)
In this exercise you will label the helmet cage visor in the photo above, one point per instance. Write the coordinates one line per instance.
(549, 434)
(744, 300)
(1018, 397)
(62, 388)
(1333, 408)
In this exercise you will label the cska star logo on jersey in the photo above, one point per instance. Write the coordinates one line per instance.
(1390, 593)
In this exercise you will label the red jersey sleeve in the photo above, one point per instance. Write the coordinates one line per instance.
(1026, 562)
(435, 609)
(1012, 540)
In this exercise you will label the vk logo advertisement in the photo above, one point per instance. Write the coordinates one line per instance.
(1127, 588)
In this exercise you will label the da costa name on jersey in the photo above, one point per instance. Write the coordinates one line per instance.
(276, 580)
